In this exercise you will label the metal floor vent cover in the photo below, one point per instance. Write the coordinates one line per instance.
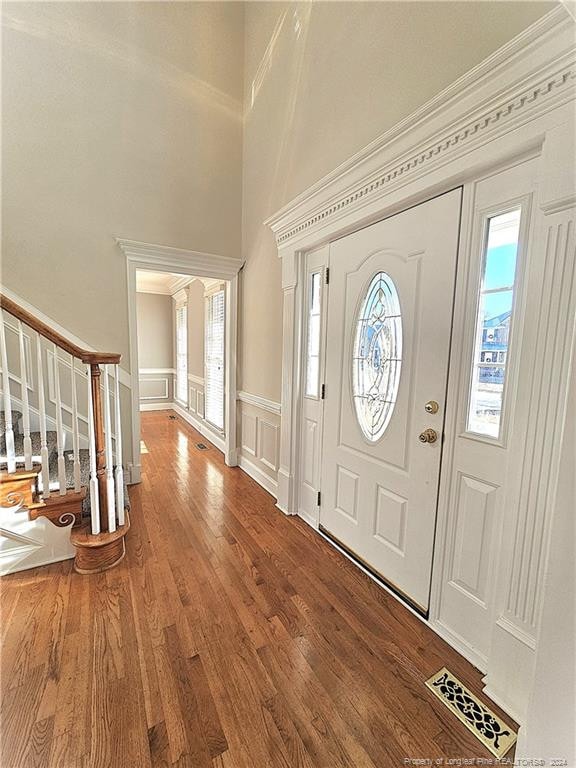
(201, 446)
(173, 418)
(491, 730)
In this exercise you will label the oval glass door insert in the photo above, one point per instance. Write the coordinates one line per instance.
(377, 357)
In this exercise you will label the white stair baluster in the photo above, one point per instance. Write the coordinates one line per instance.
(60, 437)
(75, 435)
(110, 496)
(42, 411)
(10, 448)
(118, 470)
(94, 498)
(25, 403)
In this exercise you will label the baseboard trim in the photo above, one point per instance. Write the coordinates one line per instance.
(201, 426)
(168, 406)
(264, 480)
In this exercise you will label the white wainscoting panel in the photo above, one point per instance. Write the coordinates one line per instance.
(192, 398)
(268, 436)
(200, 404)
(259, 440)
(154, 388)
(249, 433)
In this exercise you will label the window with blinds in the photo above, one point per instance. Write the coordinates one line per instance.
(182, 354)
(214, 360)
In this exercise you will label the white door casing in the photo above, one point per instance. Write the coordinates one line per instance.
(379, 497)
(312, 381)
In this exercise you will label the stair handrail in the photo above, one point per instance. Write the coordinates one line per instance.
(105, 517)
(84, 355)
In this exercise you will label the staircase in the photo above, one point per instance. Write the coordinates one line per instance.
(62, 490)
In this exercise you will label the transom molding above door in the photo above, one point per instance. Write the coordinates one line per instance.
(531, 74)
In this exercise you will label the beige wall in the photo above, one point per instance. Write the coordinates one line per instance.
(196, 328)
(155, 315)
(321, 81)
(119, 119)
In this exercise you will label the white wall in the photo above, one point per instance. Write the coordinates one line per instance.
(155, 313)
(196, 312)
(119, 119)
(321, 81)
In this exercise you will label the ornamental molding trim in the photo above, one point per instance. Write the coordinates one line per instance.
(195, 263)
(487, 102)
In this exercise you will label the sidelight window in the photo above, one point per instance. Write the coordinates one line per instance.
(377, 357)
(313, 340)
(493, 323)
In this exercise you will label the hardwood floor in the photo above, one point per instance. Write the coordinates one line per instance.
(230, 636)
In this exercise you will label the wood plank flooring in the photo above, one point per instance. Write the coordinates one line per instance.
(231, 636)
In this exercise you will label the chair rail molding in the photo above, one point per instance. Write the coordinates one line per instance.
(260, 402)
(164, 258)
(153, 371)
(516, 105)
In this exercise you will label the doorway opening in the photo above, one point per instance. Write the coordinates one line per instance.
(186, 281)
(181, 331)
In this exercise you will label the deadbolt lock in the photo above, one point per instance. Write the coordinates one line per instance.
(428, 436)
(431, 406)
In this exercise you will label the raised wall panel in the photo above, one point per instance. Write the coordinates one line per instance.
(192, 399)
(309, 443)
(268, 435)
(200, 403)
(154, 389)
(248, 433)
(390, 519)
(471, 556)
(347, 492)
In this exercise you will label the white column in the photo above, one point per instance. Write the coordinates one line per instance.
(118, 470)
(25, 403)
(108, 448)
(93, 485)
(42, 412)
(291, 322)
(10, 449)
(60, 437)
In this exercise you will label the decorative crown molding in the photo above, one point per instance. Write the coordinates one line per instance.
(172, 259)
(490, 107)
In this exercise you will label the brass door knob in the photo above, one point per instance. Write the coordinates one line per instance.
(428, 436)
(431, 406)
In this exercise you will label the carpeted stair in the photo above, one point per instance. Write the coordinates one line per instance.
(52, 441)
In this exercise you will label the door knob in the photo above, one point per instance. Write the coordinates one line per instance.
(431, 406)
(428, 436)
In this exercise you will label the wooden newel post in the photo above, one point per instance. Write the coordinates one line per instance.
(100, 447)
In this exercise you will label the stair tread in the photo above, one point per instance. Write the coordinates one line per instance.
(51, 440)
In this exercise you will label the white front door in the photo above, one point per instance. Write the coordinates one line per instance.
(388, 340)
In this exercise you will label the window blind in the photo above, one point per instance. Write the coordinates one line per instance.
(214, 360)
(182, 354)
